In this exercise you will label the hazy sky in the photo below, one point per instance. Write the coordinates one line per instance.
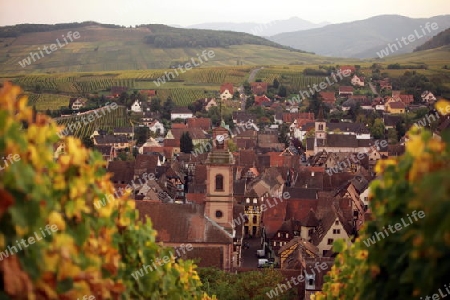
(185, 12)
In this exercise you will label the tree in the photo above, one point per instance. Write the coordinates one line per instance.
(282, 91)
(87, 142)
(247, 88)
(186, 145)
(275, 83)
(392, 136)
(232, 146)
(141, 134)
(167, 108)
(377, 129)
(88, 239)
(253, 285)
(250, 102)
(196, 106)
(283, 137)
(155, 105)
(236, 95)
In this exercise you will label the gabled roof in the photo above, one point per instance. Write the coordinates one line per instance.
(227, 86)
(202, 123)
(123, 171)
(110, 139)
(310, 220)
(128, 130)
(326, 222)
(274, 216)
(145, 163)
(243, 117)
(194, 133)
(328, 97)
(397, 105)
(301, 193)
(186, 223)
(181, 110)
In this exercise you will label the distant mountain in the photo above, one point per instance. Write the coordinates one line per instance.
(262, 29)
(442, 39)
(365, 38)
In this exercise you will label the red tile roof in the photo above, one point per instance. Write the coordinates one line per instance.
(346, 89)
(407, 99)
(202, 123)
(328, 97)
(178, 125)
(227, 86)
(177, 223)
(259, 87)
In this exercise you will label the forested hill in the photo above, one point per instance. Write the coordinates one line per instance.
(159, 36)
(163, 36)
(442, 39)
(20, 29)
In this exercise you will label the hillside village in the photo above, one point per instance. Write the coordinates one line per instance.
(260, 193)
(178, 151)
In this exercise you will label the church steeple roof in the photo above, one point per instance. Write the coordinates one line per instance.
(320, 114)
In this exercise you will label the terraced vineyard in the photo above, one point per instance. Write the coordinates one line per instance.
(182, 96)
(43, 102)
(216, 75)
(104, 119)
(291, 77)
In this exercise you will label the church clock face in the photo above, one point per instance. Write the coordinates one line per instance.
(220, 141)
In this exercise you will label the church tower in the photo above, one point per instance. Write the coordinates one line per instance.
(320, 126)
(219, 182)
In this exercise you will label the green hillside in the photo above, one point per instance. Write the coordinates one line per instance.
(109, 48)
(442, 39)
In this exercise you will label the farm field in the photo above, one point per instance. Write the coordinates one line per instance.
(108, 120)
(43, 102)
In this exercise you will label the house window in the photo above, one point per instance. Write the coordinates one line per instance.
(247, 200)
(219, 214)
(336, 231)
(219, 182)
(311, 281)
(310, 232)
(336, 223)
(287, 235)
(255, 220)
(320, 127)
(330, 241)
(279, 234)
(255, 200)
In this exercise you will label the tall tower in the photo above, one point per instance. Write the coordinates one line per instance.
(320, 126)
(219, 182)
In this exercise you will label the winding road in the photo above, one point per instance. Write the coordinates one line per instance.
(251, 78)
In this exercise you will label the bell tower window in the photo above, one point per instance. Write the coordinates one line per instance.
(219, 182)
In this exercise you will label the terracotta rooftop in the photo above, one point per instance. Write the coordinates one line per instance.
(182, 223)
